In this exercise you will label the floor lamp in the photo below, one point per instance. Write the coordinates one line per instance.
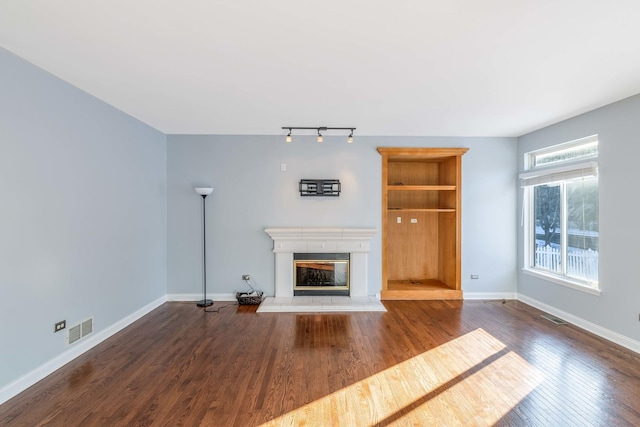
(204, 192)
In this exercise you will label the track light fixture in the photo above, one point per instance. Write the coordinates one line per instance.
(320, 138)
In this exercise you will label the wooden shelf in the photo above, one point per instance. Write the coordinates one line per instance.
(420, 210)
(424, 289)
(421, 187)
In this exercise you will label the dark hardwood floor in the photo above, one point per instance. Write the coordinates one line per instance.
(421, 363)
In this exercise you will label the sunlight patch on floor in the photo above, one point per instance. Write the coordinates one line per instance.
(471, 380)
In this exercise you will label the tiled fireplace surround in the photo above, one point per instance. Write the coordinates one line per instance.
(290, 240)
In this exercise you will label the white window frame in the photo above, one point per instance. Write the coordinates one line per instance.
(556, 173)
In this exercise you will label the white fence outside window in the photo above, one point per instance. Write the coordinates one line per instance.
(582, 264)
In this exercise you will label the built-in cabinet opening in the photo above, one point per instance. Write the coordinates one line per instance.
(421, 192)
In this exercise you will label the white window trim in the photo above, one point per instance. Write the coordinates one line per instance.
(562, 280)
(548, 175)
(558, 173)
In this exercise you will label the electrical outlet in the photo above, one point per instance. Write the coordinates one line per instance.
(475, 276)
(59, 326)
(246, 277)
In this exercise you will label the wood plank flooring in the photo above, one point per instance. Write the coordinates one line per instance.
(467, 363)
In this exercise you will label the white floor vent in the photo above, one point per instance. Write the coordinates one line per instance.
(79, 331)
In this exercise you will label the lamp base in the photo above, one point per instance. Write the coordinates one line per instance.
(204, 303)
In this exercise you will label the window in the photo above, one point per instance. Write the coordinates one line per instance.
(561, 213)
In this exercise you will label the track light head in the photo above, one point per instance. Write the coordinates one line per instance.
(350, 137)
(288, 139)
(320, 139)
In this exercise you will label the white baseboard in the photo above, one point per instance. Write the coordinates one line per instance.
(198, 297)
(74, 351)
(584, 324)
(489, 295)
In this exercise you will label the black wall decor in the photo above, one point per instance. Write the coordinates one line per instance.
(320, 187)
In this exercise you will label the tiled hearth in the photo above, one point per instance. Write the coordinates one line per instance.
(320, 304)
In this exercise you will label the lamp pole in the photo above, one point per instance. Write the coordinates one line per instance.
(204, 192)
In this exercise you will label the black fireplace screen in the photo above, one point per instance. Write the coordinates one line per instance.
(321, 271)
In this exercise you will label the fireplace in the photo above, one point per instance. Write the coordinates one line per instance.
(321, 274)
(288, 241)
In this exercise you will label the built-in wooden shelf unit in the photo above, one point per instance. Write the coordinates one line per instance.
(421, 222)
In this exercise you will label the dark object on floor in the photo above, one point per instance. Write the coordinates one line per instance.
(249, 298)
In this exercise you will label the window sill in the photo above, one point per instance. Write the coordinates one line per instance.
(562, 281)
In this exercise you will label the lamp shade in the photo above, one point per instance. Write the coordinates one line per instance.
(203, 191)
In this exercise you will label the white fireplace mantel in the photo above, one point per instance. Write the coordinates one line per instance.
(290, 240)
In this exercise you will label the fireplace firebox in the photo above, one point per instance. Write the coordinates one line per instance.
(321, 274)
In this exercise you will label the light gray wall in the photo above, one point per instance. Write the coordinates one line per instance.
(251, 193)
(82, 214)
(617, 308)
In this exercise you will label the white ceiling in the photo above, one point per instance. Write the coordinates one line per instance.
(404, 67)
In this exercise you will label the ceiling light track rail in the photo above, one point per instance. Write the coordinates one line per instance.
(319, 129)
